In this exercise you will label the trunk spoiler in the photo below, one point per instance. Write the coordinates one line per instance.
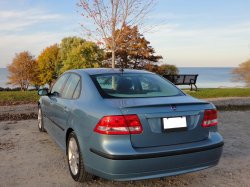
(153, 102)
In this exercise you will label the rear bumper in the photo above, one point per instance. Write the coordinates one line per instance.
(157, 162)
(157, 154)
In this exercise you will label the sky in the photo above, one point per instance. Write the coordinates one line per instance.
(187, 33)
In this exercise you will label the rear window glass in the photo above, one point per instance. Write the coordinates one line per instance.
(130, 85)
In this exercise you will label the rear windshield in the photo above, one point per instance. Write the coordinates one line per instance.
(131, 85)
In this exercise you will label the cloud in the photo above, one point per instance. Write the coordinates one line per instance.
(175, 30)
(16, 20)
(173, 16)
(35, 43)
(32, 30)
(176, 34)
(224, 45)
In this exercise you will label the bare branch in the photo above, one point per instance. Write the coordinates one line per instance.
(110, 16)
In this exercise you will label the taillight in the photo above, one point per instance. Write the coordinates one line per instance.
(117, 125)
(210, 118)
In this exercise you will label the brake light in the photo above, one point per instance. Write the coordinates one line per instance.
(118, 125)
(210, 118)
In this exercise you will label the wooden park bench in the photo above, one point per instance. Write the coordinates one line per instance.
(183, 79)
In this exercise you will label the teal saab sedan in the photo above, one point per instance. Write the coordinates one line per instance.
(128, 125)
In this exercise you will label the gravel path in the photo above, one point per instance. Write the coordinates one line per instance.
(29, 111)
(31, 158)
(18, 112)
(230, 101)
(16, 109)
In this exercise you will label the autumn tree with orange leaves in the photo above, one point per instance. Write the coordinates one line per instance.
(133, 49)
(23, 70)
(242, 72)
(107, 19)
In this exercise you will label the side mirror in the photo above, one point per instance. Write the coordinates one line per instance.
(43, 92)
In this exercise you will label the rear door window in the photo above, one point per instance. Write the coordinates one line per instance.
(58, 86)
(77, 91)
(70, 86)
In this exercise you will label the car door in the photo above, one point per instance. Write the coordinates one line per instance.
(49, 104)
(62, 107)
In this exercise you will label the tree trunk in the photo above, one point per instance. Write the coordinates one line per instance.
(113, 66)
(114, 20)
(26, 87)
(50, 85)
(21, 85)
(113, 58)
(125, 60)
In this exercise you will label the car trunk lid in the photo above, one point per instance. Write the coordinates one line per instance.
(151, 113)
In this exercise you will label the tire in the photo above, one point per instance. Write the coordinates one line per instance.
(40, 120)
(76, 166)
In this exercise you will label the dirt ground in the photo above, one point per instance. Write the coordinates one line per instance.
(18, 112)
(31, 158)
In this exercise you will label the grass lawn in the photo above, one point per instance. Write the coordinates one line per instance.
(219, 92)
(18, 97)
(22, 97)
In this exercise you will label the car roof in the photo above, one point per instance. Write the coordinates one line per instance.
(95, 71)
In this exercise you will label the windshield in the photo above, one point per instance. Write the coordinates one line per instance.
(132, 85)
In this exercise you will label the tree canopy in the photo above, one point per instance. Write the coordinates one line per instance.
(35, 75)
(22, 71)
(78, 53)
(167, 69)
(49, 63)
(243, 72)
(164, 69)
(106, 19)
(133, 50)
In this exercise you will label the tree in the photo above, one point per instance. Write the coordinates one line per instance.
(78, 53)
(243, 72)
(108, 17)
(49, 64)
(164, 69)
(167, 69)
(133, 50)
(21, 70)
(35, 78)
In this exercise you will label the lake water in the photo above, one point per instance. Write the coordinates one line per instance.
(208, 77)
(221, 77)
(4, 78)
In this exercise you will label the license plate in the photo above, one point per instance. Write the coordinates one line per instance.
(176, 123)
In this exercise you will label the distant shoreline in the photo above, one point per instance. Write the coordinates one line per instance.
(208, 77)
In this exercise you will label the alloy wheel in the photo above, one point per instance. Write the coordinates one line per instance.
(73, 156)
